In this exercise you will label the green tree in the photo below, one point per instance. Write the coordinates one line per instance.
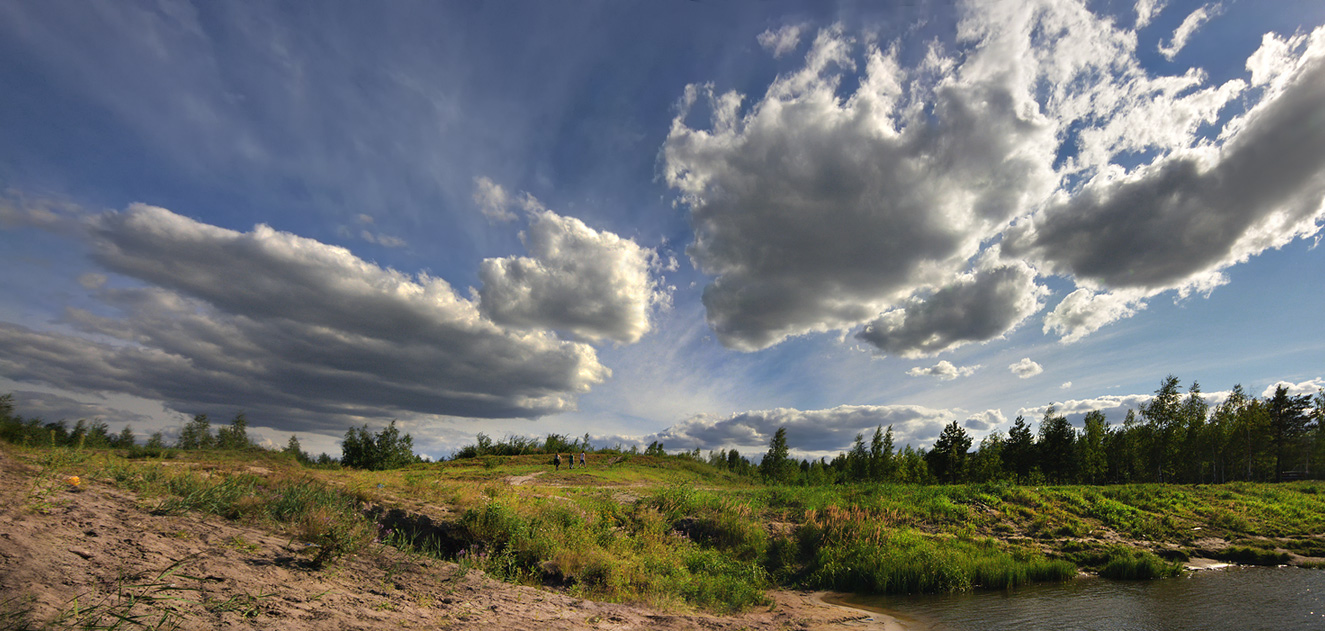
(234, 437)
(1094, 465)
(1057, 447)
(1019, 450)
(1163, 416)
(123, 440)
(1191, 437)
(388, 449)
(776, 465)
(881, 454)
(197, 434)
(1289, 417)
(293, 448)
(858, 460)
(986, 464)
(947, 460)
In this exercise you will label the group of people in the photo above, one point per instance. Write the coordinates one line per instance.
(557, 461)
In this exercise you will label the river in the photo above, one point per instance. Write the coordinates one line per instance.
(1242, 598)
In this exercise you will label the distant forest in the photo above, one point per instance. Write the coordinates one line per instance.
(1173, 438)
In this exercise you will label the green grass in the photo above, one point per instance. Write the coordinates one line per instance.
(1131, 565)
(676, 533)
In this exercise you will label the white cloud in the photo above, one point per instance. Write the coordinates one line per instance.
(1309, 387)
(291, 329)
(944, 370)
(1146, 10)
(781, 41)
(589, 284)
(1065, 386)
(812, 433)
(493, 200)
(1025, 369)
(1083, 312)
(1114, 407)
(1185, 30)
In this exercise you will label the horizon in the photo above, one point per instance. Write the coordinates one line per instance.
(682, 222)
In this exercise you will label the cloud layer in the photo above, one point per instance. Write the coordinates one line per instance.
(291, 328)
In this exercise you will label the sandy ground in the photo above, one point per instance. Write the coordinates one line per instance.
(101, 548)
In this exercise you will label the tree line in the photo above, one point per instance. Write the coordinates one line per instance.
(1173, 438)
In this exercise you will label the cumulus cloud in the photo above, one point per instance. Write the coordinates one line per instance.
(1189, 26)
(592, 285)
(1026, 368)
(944, 370)
(1176, 223)
(815, 212)
(781, 41)
(811, 433)
(1083, 312)
(977, 307)
(1065, 386)
(1309, 387)
(817, 207)
(1114, 407)
(290, 328)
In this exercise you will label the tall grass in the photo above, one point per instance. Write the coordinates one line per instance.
(1131, 565)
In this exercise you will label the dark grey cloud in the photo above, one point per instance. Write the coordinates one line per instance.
(289, 329)
(978, 307)
(53, 407)
(1177, 222)
(589, 284)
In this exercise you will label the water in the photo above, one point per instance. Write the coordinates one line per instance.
(1278, 599)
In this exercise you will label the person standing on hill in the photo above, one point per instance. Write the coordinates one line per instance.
(581, 459)
(556, 462)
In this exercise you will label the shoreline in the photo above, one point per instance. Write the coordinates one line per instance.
(872, 618)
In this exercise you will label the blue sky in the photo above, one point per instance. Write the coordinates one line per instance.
(683, 221)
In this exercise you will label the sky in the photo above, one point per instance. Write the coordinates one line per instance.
(686, 221)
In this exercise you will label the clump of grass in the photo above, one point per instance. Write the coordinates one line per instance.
(851, 550)
(1248, 555)
(1129, 564)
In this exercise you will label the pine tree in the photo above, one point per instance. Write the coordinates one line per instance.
(197, 434)
(947, 460)
(1019, 450)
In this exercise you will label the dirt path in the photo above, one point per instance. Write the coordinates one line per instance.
(103, 546)
(518, 480)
